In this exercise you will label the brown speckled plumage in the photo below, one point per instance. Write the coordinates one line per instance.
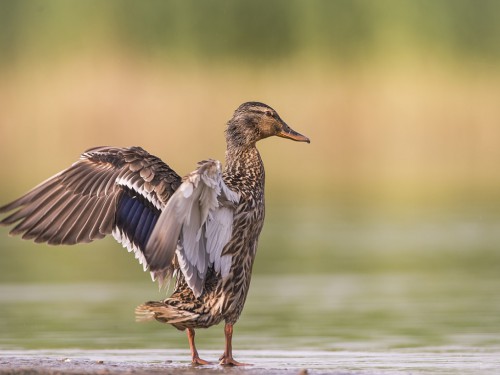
(203, 230)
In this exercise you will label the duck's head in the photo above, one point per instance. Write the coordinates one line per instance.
(253, 121)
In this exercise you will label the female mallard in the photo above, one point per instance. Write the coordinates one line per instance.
(202, 229)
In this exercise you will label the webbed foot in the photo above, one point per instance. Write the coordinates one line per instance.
(230, 361)
(197, 361)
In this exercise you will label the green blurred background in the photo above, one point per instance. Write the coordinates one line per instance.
(401, 100)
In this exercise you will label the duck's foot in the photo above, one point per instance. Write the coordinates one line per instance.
(197, 361)
(195, 358)
(227, 358)
(229, 361)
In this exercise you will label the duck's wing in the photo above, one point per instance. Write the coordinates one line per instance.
(119, 191)
(195, 225)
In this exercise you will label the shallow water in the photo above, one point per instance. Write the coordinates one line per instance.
(409, 361)
(413, 323)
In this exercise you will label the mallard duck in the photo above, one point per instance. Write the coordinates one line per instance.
(202, 230)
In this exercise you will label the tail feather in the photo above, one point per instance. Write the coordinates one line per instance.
(163, 313)
(143, 314)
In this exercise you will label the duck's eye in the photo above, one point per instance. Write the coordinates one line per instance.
(269, 114)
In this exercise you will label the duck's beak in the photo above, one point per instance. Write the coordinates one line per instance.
(287, 132)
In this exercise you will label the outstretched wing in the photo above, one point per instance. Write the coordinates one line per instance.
(195, 225)
(109, 190)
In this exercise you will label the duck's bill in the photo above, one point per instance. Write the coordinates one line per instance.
(293, 135)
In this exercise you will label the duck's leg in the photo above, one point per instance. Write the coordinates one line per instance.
(227, 358)
(195, 358)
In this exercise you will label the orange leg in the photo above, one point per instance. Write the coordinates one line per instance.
(196, 360)
(227, 358)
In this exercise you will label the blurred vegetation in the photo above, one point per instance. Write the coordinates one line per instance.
(345, 31)
(400, 99)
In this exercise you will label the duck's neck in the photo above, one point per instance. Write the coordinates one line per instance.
(244, 169)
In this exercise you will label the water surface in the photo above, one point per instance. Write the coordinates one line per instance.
(415, 323)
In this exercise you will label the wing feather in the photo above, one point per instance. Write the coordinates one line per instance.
(109, 190)
(218, 235)
(30, 213)
(55, 232)
(57, 218)
(77, 219)
(140, 201)
(195, 226)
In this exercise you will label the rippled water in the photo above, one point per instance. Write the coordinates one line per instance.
(388, 323)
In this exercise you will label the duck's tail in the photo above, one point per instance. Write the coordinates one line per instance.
(163, 313)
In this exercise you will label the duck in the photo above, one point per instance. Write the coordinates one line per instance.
(200, 230)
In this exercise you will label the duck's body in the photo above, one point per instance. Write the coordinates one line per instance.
(202, 229)
(222, 298)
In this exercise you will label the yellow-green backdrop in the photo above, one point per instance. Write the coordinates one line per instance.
(401, 100)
